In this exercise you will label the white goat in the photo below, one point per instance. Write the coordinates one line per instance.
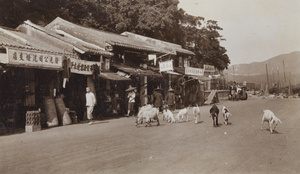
(226, 114)
(168, 115)
(181, 113)
(142, 110)
(148, 112)
(196, 112)
(270, 117)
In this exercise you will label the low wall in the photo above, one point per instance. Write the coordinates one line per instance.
(222, 94)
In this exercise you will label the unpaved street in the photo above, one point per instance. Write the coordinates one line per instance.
(118, 146)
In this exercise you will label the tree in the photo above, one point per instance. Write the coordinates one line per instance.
(15, 12)
(159, 19)
(204, 38)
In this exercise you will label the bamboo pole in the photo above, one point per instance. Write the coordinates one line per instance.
(267, 77)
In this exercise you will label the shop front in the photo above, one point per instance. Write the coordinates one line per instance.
(143, 79)
(27, 77)
(111, 92)
(78, 74)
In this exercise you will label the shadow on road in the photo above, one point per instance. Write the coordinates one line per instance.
(100, 122)
(274, 131)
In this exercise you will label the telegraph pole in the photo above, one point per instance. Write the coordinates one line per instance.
(233, 73)
(278, 78)
(267, 77)
(284, 74)
(290, 88)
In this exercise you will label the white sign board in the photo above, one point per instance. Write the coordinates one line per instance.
(152, 57)
(28, 58)
(209, 68)
(194, 71)
(83, 66)
(166, 66)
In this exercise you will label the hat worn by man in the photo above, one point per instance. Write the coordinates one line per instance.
(171, 90)
(130, 88)
(157, 89)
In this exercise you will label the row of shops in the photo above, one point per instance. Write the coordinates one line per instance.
(62, 59)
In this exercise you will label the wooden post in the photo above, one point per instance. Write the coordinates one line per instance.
(232, 72)
(284, 75)
(267, 77)
(278, 78)
(290, 88)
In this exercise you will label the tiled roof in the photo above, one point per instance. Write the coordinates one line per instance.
(113, 76)
(77, 44)
(159, 43)
(135, 70)
(100, 38)
(14, 39)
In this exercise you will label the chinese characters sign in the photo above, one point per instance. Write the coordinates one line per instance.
(194, 71)
(166, 66)
(34, 59)
(209, 68)
(83, 66)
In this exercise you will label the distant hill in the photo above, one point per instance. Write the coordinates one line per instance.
(256, 72)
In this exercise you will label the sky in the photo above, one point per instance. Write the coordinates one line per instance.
(255, 30)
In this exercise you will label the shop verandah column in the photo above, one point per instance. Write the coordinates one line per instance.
(143, 92)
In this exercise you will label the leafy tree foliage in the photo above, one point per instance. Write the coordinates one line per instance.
(160, 19)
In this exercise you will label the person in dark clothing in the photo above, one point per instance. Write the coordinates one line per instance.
(157, 99)
(170, 99)
(137, 102)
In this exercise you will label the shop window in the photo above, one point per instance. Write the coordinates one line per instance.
(30, 88)
(186, 62)
(107, 64)
(180, 62)
(3, 50)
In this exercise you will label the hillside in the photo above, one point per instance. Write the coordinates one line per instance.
(256, 72)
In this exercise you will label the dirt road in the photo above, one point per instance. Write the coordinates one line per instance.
(118, 146)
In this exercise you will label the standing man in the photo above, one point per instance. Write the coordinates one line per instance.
(90, 103)
(137, 102)
(131, 100)
(170, 99)
(157, 99)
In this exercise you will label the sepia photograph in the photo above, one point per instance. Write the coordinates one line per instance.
(149, 86)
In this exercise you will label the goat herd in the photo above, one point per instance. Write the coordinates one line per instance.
(150, 113)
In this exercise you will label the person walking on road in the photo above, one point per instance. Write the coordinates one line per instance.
(90, 103)
(170, 99)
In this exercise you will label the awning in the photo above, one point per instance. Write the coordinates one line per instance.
(113, 76)
(136, 71)
(202, 78)
(179, 70)
(172, 73)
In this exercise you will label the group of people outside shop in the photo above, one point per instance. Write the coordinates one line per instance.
(156, 99)
(133, 100)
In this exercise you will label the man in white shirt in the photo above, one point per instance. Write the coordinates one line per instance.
(90, 103)
(131, 100)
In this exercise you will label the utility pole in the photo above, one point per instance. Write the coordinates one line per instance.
(278, 78)
(284, 74)
(233, 73)
(267, 77)
(290, 88)
(273, 78)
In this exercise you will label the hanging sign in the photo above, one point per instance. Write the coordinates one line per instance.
(83, 66)
(28, 58)
(152, 57)
(194, 71)
(166, 66)
(209, 68)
